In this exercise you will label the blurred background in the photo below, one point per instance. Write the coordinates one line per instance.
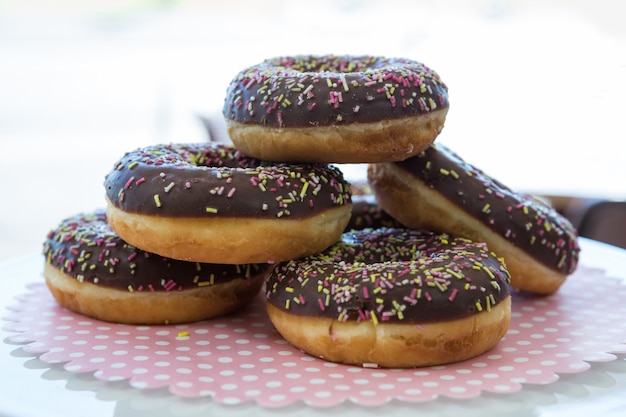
(536, 87)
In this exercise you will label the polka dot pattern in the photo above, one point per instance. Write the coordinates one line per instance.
(242, 358)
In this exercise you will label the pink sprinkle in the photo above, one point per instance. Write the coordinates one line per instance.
(366, 294)
(231, 192)
(132, 256)
(453, 295)
(140, 181)
(129, 182)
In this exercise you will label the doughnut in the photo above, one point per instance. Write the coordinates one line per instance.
(208, 202)
(438, 190)
(92, 271)
(367, 214)
(330, 108)
(392, 298)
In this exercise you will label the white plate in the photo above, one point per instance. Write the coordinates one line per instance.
(32, 388)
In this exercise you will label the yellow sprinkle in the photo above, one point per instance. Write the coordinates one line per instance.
(479, 307)
(131, 289)
(454, 273)
(289, 289)
(488, 271)
(157, 200)
(444, 171)
(211, 210)
(183, 334)
(374, 318)
(305, 187)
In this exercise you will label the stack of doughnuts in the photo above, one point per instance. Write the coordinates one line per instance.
(190, 232)
(373, 299)
(400, 272)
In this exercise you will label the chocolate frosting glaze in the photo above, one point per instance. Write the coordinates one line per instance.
(394, 275)
(84, 247)
(326, 90)
(525, 221)
(211, 179)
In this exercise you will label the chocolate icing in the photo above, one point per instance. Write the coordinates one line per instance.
(523, 220)
(210, 179)
(309, 91)
(396, 275)
(84, 247)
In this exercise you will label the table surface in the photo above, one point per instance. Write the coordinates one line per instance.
(33, 388)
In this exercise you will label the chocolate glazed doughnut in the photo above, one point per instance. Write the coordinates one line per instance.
(392, 298)
(438, 190)
(328, 108)
(91, 271)
(210, 203)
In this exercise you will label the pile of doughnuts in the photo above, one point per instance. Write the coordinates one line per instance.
(190, 232)
(414, 268)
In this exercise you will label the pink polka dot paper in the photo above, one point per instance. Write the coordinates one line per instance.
(241, 357)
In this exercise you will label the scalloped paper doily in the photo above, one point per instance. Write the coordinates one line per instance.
(241, 357)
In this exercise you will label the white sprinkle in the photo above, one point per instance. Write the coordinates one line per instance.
(169, 187)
